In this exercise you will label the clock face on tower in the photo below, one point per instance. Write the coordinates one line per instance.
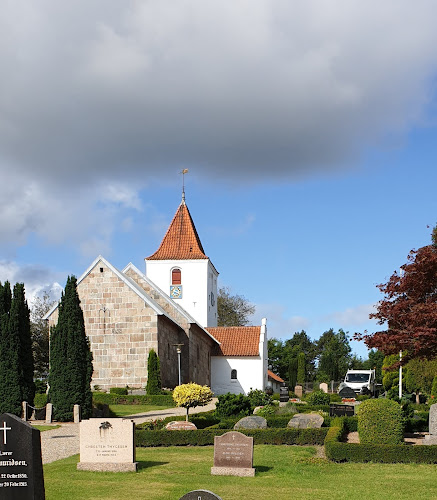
(176, 291)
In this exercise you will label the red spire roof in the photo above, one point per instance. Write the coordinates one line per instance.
(181, 241)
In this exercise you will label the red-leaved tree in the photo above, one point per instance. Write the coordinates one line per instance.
(409, 308)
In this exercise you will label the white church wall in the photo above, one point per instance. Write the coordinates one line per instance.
(249, 374)
(196, 286)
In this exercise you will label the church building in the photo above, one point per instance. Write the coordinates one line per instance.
(172, 308)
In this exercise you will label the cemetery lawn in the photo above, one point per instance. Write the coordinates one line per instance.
(282, 473)
(43, 428)
(124, 410)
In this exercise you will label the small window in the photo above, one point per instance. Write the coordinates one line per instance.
(176, 277)
(234, 374)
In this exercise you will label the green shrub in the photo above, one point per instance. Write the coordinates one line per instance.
(40, 400)
(275, 396)
(116, 399)
(266, 411)
(233, 404)
(153, 374)
(335, 398)
(257, 397)
(206, 437)
(318, 397)
(121, 391)
(352, 452)
(380, 422)
(434, 389)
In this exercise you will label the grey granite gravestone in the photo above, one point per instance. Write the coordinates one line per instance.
(200, 495)
(21, 473)
(233, 455)
(306, 421)
(432, 437)
(252, 422)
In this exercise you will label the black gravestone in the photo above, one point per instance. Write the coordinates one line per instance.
(21, 474)
(338, 410)
(347, 392)
(283, 394)
(200, 495)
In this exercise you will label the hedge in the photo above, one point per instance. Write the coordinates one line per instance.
(115, 399)
(145, 438)
(380, 421)
(353, 452)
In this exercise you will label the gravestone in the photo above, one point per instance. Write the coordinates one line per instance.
(432, 437)
(252, 422)
(200, 495)
(180, 425)
(339, 410)
(306, 421)
(324, 387)
(283, 394)
(107, 445)
(347, 393)
(21, 472)
(298, 390)
(233, 455)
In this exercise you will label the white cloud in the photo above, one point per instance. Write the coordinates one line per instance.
(36, 279)
(352, 316)
(279, 325)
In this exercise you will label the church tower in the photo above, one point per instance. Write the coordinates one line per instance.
(182, 270)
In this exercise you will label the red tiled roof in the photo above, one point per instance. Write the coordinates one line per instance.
(181, 241)
(273, 376)
(236, 340)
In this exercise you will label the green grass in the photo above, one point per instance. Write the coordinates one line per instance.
(123, 410)
(43, 428)
(282, 473)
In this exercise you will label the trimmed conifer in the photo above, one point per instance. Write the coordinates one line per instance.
(10, 391)
(70, 358)
(19, 318)
(16, 360)
(301, 368)
(153, 374)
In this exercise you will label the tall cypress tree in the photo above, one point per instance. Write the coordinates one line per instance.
(70, 358)
(301, 368)
(19, 318)
(16, 360)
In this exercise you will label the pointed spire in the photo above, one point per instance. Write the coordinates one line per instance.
(181, 241)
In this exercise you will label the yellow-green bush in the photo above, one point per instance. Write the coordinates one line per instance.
(380, 422)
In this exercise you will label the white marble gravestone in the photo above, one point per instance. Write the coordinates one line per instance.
(107, 444)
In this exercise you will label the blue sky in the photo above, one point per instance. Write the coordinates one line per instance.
(309, 134)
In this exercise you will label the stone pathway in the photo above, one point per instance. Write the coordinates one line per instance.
(64, 441)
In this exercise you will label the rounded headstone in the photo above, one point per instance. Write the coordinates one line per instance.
(306, 421)
(252, 422)
(200, 495)
(180, 425)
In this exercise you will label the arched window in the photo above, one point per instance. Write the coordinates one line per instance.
(176, 277)
(234, 374)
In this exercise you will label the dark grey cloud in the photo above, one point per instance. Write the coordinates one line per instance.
(136, 88)
(104, 93)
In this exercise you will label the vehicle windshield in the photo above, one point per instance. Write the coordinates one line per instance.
(357, 377)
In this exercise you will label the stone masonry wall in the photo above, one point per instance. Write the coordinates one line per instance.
(200, 356)
(121, 328)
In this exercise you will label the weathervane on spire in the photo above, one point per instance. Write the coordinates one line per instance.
(184, 171)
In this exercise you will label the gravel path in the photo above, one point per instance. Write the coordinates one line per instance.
(60, 443)
(64, 441)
